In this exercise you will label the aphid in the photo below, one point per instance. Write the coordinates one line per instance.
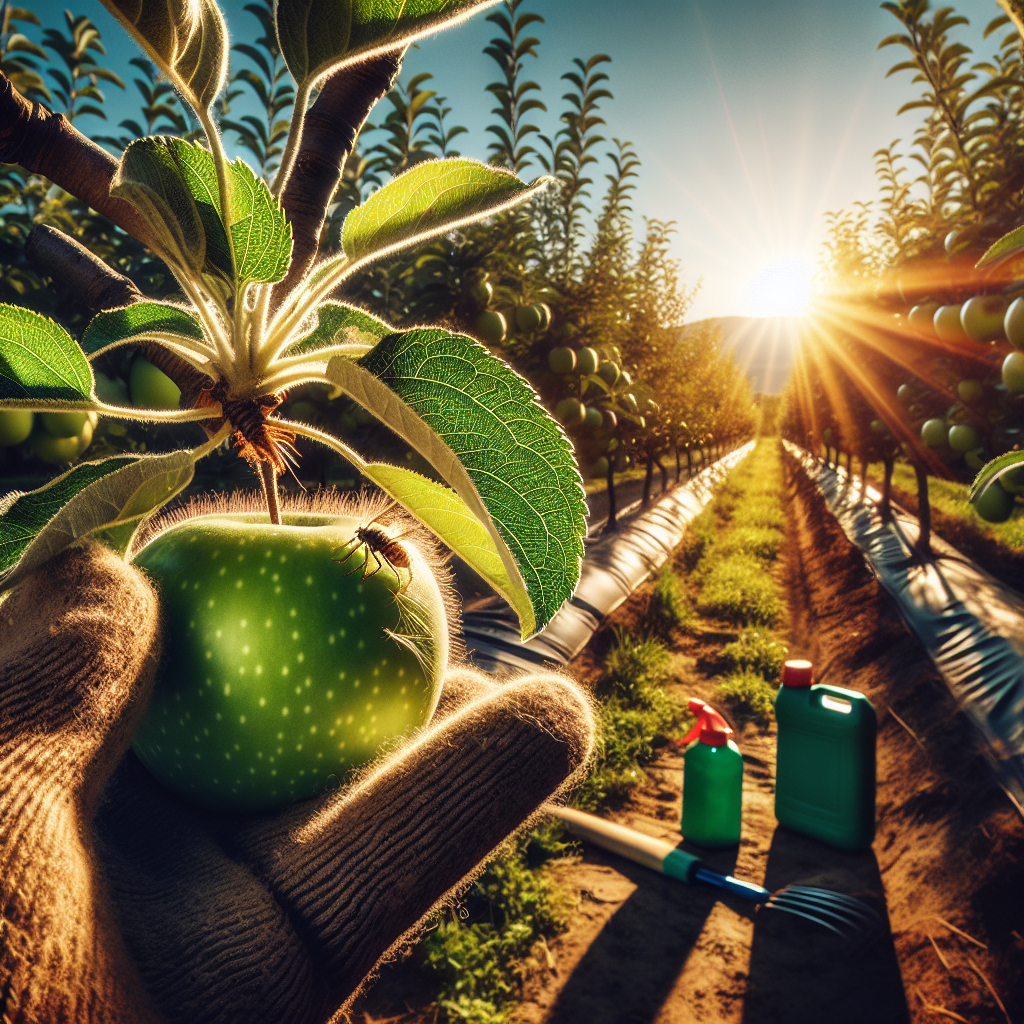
(382, 548)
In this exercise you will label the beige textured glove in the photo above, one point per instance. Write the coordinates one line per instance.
(121, 903)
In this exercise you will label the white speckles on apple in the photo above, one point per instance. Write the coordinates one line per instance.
(184, 584)
(309, 581)
(263, 702)
(376, 689)
(334, 595)
(284, 670)
(268, 624)
(276, 577)
(284, 711)
(309, 682)
(259, 670)
(277, 589)
(295, 634)
(227, 689)
(223, 570)
(298, 690)
(263, 570)
(241, 670)
(300, 657)
(341, 634)
(238, 584)
(312, 729)
(330, 639)
(355, 684)
(362, 609)
(245, 650)
(361, 644)
(306, 710)
(209, 604)
(283, 559)
(330, 695)
(292, 612)
(241, 719)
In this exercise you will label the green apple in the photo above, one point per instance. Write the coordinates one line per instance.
(877, 427)
(922, 318)
(491, 327)
(1013, 323)
(151, 388)
(63, 424)
(994, 505)
(305, 412)
(947, 324)
(1013, 482)
(598, 468)
(529, 318)
(481, 292)
(630, 402)
(982, 317)
(609, 372)
(934, 433)
(562, 359)
(905, 393)
(587, 361)
(826, 435)
(58, 450)
(1013, 373)
(593, 420)
(969, 390)
(963, 438)
(976, 459)
(282, 668)
(609, 420)
(15, 426)
(545, 312)
(571, 412)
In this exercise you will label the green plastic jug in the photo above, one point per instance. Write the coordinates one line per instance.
(712, 780)
(825, 768)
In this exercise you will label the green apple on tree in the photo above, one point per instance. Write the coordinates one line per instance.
(15, 426)
(1013, 323)
(562, 359)
(303, 646)
(964, 438)
(594, 419)
(491, 327)
(151, 388)
(934, 432)
(905, 394)
(1013, 482)
(587, 361)
(1013, 373)
(982, 317)
(571, 412)
(969, 390)
(529, 318)
(947, 324)
(922, 318)
(993, 504)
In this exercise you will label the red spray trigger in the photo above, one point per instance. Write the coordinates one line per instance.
(710, 727)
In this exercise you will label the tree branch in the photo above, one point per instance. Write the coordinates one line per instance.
(48, 144)
(331, 127)
(69, 262)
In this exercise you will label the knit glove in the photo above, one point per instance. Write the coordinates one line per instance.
(121, 903)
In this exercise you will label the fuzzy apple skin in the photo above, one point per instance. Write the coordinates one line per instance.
(278, 675)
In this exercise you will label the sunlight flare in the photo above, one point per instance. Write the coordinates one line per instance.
(781, 288)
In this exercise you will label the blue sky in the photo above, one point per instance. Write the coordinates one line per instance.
(751, 119)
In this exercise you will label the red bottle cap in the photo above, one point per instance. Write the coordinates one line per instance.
(796, 673)
(710, 728)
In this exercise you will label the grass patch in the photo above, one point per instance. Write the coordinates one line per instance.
(670, 607)
(755, 651)
(479, 960)
(747, 698)
(739, 589)
(759, 541)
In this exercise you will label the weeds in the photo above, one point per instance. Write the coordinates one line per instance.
(635, 668)
(748, 698)
(756, 652)
(737, 588)
(670, 608)
(758, 541)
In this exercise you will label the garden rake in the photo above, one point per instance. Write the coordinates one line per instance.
(845, 915)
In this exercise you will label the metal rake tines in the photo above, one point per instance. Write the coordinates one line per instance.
(845, 915)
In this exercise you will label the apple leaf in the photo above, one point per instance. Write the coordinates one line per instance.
(260, 232)
(150, 178)
(141, 321)
(110, 499)
(338, 324)
(198, 171)
(39, 360)
(993, 471)
(1009, 245)
(186, 39)
(481, 426)
(430, 199)
(446, 515)
(320, 36)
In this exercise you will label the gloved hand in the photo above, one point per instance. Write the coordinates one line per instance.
(121, 903)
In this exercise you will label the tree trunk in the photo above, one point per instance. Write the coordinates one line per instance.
(679, 465)
(885, 506)
(924, 511)
(648, 477)
(611, 524)
(664, 475)
(863, 477)
(849, 466)
(689, 464)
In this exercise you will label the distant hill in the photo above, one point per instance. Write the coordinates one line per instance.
(763, 346)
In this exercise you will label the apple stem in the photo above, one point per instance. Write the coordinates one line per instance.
(269, 474)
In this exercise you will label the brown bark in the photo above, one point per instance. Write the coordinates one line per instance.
(924, 511)
(48, 144)
(330, 131)
(70, 263)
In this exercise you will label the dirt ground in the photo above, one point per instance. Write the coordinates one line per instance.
(947, 867)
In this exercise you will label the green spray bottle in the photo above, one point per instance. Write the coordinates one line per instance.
(825, 765)
(712, 780)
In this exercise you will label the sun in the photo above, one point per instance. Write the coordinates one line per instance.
(780, 288)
